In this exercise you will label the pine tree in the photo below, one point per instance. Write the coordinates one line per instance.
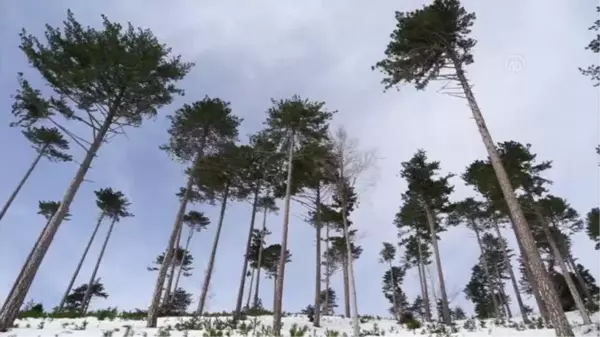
(592, 226)
(47, 142)
(433, 43)
(259, 165)
(196, 130)
(75, 299)
(388, 255)
(291, 122)
(115, 208)
(105, 79)
(430, 193)
(392, 289)
(267, 204)
(220, 177)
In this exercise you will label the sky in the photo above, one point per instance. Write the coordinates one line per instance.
(525, 78)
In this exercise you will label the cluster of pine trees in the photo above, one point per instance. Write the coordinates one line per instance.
(103, 81)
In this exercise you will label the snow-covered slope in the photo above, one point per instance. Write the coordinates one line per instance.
(260, 327)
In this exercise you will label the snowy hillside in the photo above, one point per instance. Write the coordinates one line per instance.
(296, 325)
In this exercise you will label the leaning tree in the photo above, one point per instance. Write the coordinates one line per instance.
(434, 43)
(47, 142)
(196, 130)
(106, 79)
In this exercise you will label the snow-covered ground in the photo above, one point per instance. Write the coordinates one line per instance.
(296, 325)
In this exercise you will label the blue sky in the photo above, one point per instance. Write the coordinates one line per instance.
(526, 81)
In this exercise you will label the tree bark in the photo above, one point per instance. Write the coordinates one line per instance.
(250, 288)
(503, 293)
(282, 258)
(346, 288)
(486, 269)
(80, 264)
(88, 293)
(180, 270)
(259, 262)
(438, 263)
(173, 265)
(240, 298)
(423, 277)
(317, 313)
(153, 310)
(511, 273)
(37, 242)
(14, 302)
(540, 277)
(327, 263)
(213, 254)
(14, 194)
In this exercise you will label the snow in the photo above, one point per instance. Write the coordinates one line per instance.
(332, 326)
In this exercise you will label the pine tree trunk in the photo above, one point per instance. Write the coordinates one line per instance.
(565, 271)
(317, 313)
(540, 277)
(213, 254)
(154, 308)
(259, 262)
(536, 294)
(14, 303)
(394, 300)
(438, 263)
(430, 278)
(346, 288)
(80, 264)
(486, 269)
(240, 298)
(511, 272)
(500, 285)
(282, 258)
(423, 277)
(250, 288)
(22, 271)
(180, 270)
(14, 194)
(327, 262)
(88, 293)
(173, 265)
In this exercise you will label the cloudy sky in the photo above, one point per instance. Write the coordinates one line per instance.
(526, 81)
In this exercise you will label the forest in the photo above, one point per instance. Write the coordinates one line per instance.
(99, 82)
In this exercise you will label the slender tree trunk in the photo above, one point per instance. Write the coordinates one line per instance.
(540, 277)
(168, 292)
(180, 270)
(80, 264)
(240, 298)
(500, 286)
(250, 288)
(154, 308)
(317, 313)
(431, 283)
(536, 294)
(88, 293)
(486, 269)
(511, 272)
(260, 253)
(565, 271)
(346, 288)
(213, 254)
(327, 263)
(282, 258)
(423, 277)
(438, 263)
(14, 194)
(274, 290)
(394, 300)
(14, 302)
(349, 255)
(37, 242)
